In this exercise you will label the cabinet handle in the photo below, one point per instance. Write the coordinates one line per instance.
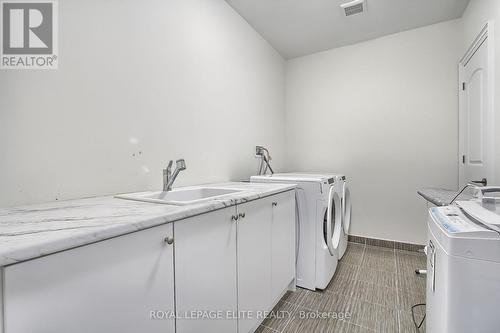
(169, 240)
(234, 218)
(275, 204)
(242, 215)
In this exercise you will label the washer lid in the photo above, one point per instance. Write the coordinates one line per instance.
(486, 212)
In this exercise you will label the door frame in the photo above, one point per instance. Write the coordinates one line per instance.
(486, 37)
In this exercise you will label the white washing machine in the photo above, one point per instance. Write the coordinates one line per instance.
(463, 268)
(319, 225)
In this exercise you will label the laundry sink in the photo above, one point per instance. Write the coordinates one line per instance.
(181, 196)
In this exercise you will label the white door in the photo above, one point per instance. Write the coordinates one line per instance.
(205, 272)
(476, 118)
(332, 224)
(117, 285)
(306, 235)
(346, 208)
(283, 242)
(254, 262)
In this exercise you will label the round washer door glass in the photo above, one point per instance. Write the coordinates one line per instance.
(332, 222)
(346, 208)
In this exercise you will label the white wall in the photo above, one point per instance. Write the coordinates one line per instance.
(139, 83)
(477, 14)
(385, 113)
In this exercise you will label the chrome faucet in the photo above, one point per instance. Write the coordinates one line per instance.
(169, 177)
(265, 158)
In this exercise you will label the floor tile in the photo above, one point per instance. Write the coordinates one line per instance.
(375, 294)
(295, 297)
(381, 278)
(373, 289)
(381, 259)
(302, 323)
(333, 326)
(406, 300)
(263, 329)
(344, 271)
(408, 262)
(407, 280)
(411, 283)
(342, 286)
(371, 248)
(314, 300)
(406, 324)
(363, 314)
(280, 316)
(358, 329)
(375, 317)
(386, 320)
(353, 254)
(337, 304)
(319, 325)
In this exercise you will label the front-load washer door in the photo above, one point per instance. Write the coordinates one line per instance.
(346, 208)
(332, 224)
(301, 216)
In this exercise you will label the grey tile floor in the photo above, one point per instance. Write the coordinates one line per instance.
(375, 285)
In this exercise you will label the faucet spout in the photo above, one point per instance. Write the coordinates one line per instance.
(169, 177)
(265, 158)
(167, 174)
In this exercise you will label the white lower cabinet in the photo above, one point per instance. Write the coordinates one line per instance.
(215, 273)
(283, 243)
(254, 262)
(266, 255)
(235, 263)
(117, 285)
(205, 272)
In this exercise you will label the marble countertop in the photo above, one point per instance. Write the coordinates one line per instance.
(29, 232)
(442, 197)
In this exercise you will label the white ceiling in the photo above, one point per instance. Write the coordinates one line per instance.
(300, 27)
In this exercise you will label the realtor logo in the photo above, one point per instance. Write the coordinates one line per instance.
(29, 34)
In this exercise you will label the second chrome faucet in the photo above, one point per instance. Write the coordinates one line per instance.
(169, 177)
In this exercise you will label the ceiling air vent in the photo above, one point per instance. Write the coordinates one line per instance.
(353, 7)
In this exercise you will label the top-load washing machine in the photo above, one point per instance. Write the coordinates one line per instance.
(320, 231)
(463, 268)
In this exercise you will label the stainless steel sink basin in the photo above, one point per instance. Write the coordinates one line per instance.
(181, 196)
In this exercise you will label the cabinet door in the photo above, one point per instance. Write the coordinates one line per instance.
(114, 285)
(283, 242)
(205, 272)
(254, 261)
